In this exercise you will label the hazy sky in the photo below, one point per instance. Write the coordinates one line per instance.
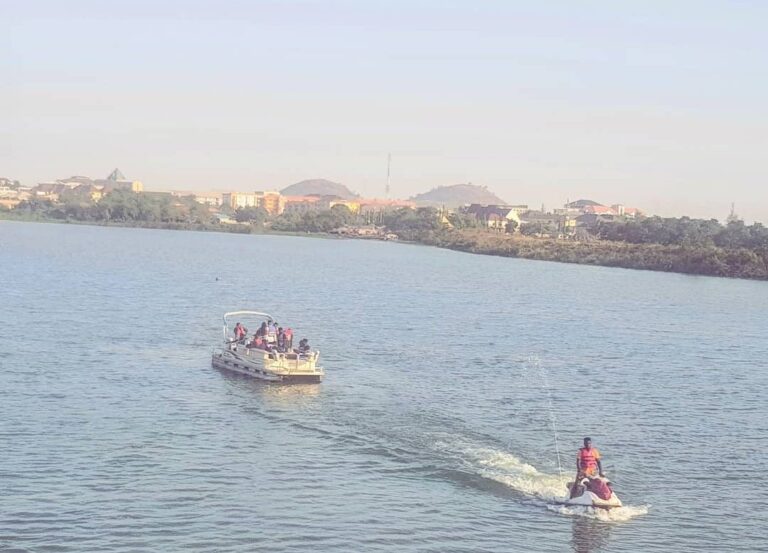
(660, 105)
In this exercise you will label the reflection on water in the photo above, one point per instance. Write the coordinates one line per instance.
(286, 394)
(589, 535)
(289, 393)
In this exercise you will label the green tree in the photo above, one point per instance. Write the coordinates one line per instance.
(255, 215)
(539, 228)
(463, 220)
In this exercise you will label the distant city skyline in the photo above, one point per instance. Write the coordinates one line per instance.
(659, 106)
(731, 208)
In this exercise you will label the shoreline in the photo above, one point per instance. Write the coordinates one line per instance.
(701, 261)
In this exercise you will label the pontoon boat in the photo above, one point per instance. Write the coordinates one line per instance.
(265, 363)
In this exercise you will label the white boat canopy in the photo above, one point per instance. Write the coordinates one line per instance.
(255, 313)
(267, 316)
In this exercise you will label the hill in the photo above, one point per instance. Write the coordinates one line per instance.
(320, 187)
(457, 195)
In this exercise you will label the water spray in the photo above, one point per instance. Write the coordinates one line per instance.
(534, 360)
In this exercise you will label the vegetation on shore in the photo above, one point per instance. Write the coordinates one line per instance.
(691, 259)
(684, 245)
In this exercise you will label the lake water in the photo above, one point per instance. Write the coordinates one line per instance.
(432, 431)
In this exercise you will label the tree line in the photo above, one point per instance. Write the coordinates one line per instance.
(682, 244)
(684, 231)
(118, 206)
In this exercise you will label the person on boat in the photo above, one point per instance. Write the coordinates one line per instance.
(304, 347)
(262, 331)
(256, 342)
(240, 332)
(280, 339)
(588, 460)
(288, 339)
(588, 463)
(271, 332)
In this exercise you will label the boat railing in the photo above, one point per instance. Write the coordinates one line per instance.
(289, 361)
(295, 362)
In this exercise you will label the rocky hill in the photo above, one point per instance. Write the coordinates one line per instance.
(457, 195)
(320, 187)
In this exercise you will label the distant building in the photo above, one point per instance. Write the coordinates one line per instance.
(593, 208)
(8, 192)
(273, 202)
(239, 200)
(496, 216)
(304, 204)
(352, 205)
(51, 190)
(564, 223)
(492, 216)
(211, 199)
(9, 184)
(82, 193)
(599, 210)
(10, 195)
(581, 204)
(589, 221)
(117, 181)
(86, 186)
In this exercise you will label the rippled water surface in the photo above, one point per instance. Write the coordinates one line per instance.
(433, 429)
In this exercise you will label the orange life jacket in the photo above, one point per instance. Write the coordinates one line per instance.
(588, 459)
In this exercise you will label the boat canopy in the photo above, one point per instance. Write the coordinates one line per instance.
(267, 316)
(255, 313)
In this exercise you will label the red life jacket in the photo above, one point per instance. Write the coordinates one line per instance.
(588, 459)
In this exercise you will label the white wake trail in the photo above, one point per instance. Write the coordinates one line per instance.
(526, 479)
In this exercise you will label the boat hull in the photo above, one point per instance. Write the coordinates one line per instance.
(264, 367)
(588, 499)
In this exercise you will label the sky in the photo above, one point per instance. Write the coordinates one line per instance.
(655, 104)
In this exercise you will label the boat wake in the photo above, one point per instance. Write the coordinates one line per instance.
(539, 487)
(619, 514)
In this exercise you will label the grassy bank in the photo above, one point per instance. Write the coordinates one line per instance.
(698, 260)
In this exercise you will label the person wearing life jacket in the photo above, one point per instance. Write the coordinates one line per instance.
(587, 463)
(256, 342)
(588, 460)
(240, 332)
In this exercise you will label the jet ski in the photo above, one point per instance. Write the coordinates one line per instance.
(595, 492)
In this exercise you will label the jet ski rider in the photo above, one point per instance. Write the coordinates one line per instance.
(587, 464)
(588, 461)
